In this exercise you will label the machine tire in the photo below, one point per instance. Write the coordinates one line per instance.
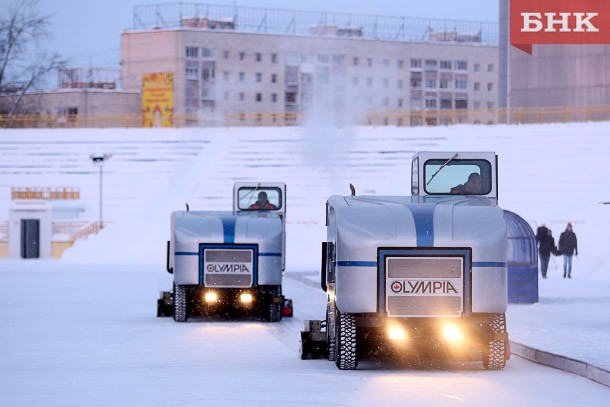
(346, 349)
(330, 337)
(180, 303)
(274, 309)
(494, 356)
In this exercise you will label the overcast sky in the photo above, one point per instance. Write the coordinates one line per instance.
(88, 32)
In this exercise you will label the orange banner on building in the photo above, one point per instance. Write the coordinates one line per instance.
(158, 99)
(558, 22)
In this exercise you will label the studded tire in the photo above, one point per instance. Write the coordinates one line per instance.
(180, 303)
(274, 309)
(346, 349)
(494, 357)
(331, 343)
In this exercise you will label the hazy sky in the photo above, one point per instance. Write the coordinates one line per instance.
(88, 32)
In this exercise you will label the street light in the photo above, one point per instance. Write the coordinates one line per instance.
(99, 160)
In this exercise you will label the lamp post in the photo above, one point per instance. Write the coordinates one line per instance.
(99, 160)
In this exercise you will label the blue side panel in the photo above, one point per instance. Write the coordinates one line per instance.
(252, 247)
(357, 263)
(488, 264)
(270, 254)
(423, 215)
(465, 253)
(228, 228)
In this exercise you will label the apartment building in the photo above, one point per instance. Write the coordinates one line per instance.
(224, 72)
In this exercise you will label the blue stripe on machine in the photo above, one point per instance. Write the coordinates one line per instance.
(488, 264)
(423, 216)
(228, 228)
(357, 263)
(271, 254)
(186, 253)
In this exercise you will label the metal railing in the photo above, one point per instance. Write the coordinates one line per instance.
(416, 117)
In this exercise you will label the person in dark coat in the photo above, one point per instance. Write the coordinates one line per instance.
(541, 233)
(568, 246)
(545, 248)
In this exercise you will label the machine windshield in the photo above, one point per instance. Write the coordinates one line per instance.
(461, 177)
(259, 199)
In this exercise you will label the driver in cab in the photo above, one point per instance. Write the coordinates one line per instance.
(262, 203)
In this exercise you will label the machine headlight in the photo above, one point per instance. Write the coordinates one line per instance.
(397, 333)
(452, 333)
(210, 296)
(246, 298)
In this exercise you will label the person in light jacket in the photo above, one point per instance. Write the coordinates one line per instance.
(568, 247)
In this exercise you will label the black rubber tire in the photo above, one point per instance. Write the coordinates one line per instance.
(274, 309)
(180, 303)
(494, 357)
(347, 356)
(330, 337)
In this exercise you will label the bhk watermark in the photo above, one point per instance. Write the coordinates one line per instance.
(558, 22)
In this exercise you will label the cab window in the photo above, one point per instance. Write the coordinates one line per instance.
(259, 199)
(463, 177)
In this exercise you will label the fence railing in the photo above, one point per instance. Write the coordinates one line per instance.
(416, 117)
(45, 193)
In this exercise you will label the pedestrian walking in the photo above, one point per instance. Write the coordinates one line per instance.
(541, 233)
(568, 246)
(545, 248)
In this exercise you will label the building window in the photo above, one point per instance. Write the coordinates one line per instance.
(416, 63)
(259, 97)
(355, 61)
(369, 62)
(225, 54)
(431, 83)
(274, 58)
(323, 58)
(241, 96)
(207, 74)
(415, 103)
(430, 63)
(191, 52)
(430, 103)
(192, 73)
(400, 64)
(490, 86)
(259, 77)
(273, 97)
(477, 86)
(273, 78)
(242, 56)
(446, 104)
(476, 104)
(446, 65)
(461, 104)
(415, 83)
(490, 105)
(338, 59)
(443, 84)
(259, 57)
(490, 67)
(461, 65)
(477, 67)
(386, 102)
(400, 102)
(242, 76)
(225, 76)
(461, 84)
(207, 53)
(206, 94)
(306, 58)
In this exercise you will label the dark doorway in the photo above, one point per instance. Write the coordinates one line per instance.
(30, 238)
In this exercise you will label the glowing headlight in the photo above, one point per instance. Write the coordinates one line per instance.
(211, 296)
(452, 333)
(246, 298)
(397, 333)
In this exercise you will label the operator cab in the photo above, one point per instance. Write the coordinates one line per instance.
(259, 197)
(451, 173)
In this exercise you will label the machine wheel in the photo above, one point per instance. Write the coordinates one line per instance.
(330, 336)
(494, 356)
(180, 303)
(274, 312)
(346, 356)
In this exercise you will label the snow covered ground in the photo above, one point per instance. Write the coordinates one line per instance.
(83, 328)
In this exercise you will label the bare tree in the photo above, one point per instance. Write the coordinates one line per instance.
(24, 63)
